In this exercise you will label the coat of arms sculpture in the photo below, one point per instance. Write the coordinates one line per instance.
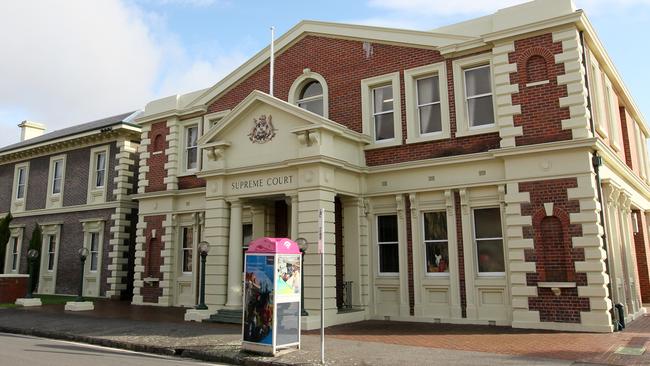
(263, 130)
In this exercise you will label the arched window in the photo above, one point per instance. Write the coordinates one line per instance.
(311, 97)
(309, 91)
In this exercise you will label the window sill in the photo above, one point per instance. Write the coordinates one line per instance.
(381, 145)
(427, 138)
(556, 284)
(188, 173)
(477, 131)
(436, 275)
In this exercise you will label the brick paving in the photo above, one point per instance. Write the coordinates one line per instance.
(364, 343)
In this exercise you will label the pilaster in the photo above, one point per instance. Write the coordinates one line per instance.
(503, 91)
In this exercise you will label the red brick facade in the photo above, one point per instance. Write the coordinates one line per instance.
(12, 288)
(153, 260)
(554, 255)
(190, 181)
(541, 116)
(157, 157)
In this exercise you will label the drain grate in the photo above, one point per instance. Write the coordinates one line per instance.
(630, 351)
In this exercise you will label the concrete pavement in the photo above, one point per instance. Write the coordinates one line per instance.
(34, 351)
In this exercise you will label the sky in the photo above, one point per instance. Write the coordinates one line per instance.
(72, 61)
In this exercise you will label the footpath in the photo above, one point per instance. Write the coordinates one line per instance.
(162, 331)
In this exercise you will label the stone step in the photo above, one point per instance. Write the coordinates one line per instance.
(226, 316)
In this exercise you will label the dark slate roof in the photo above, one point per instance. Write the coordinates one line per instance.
(65, 132)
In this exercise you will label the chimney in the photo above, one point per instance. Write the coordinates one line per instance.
(29, 129)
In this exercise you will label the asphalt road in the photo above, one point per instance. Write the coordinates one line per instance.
(24, 350)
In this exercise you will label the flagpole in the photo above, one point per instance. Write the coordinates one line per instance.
(321, 249)
(272, 61)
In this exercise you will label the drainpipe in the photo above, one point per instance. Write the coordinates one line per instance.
(597, 161)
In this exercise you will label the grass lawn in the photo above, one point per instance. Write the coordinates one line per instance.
(7, 306)
(55, 299)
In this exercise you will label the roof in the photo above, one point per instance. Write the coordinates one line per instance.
(77, 129)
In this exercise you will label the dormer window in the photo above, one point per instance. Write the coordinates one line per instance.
(311, 97)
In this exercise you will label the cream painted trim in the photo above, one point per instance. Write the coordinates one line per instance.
(173, 164)
(462, 122)
(96, 227)
(78, 208)
(55, 200)
(503, 92)
(98, 194)
(81, 140)
(411, 76)
(16, 233)
(302, 80)
(18, 204)
(594, 75)
(211, 118)
(615, 163)
(613, 115)
(367, 85)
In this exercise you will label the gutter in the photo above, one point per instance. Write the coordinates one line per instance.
(597, 162)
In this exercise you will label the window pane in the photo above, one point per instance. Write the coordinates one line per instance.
(435, 226)
(192, 136)
(94, 242)
(384, 127)
(388, 258)
(428, 91)
(100, 179)
(247, 231)
(383, 99)
(192, 158)
(481, 111)
(477, 81)
(315, 106)
(101, 161)
(50, 255)
(487, 223)
(187, 237)
(430, 119)
(14, 262)
(21, 176)
(387, 228)
(57, 169)
(311, 90)
(93, 261)
(56, 186)
(437, 257)
(21, 191)
(490, 256)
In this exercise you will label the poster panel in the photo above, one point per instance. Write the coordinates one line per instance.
(258, 297)
(287, 285)
(288, 323)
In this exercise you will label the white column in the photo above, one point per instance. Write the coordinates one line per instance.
(235, 269)
(294, 217)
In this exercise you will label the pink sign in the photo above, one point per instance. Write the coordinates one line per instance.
(273, 245)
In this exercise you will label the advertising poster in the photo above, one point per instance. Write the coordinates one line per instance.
(287, 286)
(258, 309)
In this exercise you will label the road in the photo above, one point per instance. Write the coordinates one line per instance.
(24, 350)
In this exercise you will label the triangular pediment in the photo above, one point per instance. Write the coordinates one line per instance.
(266, 130)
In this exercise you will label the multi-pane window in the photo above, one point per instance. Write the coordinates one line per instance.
(100, 169)
(311, 97)
(191, 147)
(436, 242)
(382, 112)
(57, 176)
(20, 184)
(188, 248)
(51, 252)
(388, 244)
(489, 240)
(14, 254)
(478, 94)
(428, 102)
(94, 251)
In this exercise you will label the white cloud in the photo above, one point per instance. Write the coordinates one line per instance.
(69, 62)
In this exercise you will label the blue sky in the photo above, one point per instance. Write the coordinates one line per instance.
(75, 60)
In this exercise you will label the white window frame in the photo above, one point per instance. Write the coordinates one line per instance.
(460, 66)
(378, 244)
(596, 90)
(16, 237)
(98, 194)
(55, 200)
(49, 276)
(192, 248)
(181, 146)
(92, 278)
(367, 109)
(475, 243)
(91, 252)
(411, 76)
(18, 204)
(305, 78)
(640, 151)
(186, 148)
(613, 115)
(424, 244)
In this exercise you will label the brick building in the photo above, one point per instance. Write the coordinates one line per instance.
(493, 171)
(75, 183)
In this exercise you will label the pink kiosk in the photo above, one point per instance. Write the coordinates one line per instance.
(272, 288)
